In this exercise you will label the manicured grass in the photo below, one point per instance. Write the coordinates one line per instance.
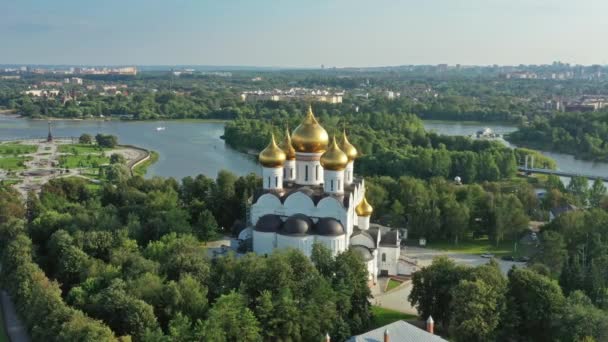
(13, 163)
(384, 316)
(478, 246)
(80, 149)
(10, 182)
(142, 169)
(83, 161)
(392, 283)
(16, 149)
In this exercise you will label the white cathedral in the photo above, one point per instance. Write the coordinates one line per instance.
(310, 194)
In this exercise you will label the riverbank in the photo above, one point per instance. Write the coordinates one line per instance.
(120, 119)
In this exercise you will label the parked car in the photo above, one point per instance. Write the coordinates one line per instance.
(508, 258)
(487, 255)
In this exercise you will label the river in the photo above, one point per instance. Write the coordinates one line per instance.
(188, 148)
(185, 148)
(565, 162)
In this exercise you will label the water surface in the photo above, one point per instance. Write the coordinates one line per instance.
(185, 148)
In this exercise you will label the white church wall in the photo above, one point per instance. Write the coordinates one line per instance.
(264, 243)
(266, 204)
(334, 243)
(388, 259)
(299, 203)
(303, 243)
(371, 270)
(362, 240)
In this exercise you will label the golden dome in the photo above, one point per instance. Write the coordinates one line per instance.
(348, 148)
(334, 159)
(309, 136)
(364, 208)
(287, 147)
(272, 155)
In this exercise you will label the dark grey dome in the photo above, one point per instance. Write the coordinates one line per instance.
(363, 251)
(268, 224)
(298, 224)
(329, 226)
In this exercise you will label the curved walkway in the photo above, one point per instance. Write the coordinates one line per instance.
(16, 331)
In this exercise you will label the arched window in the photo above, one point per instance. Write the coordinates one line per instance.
(339, 185)
(332, 185)
(317, 172)
(306, 173)
(276, 182)
(284, 173)
(269, 182)
(291, 173)
(383, 257)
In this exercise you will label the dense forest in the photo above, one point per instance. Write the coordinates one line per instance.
(395, 145)
(127, 260)
(529, 305)
(582, 134)
(151, 95)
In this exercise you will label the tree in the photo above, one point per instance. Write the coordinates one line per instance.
(582, 319)
(553, 251)
(579, 187)
(230, 320)
(323, 260)
(116, 158)
(206, 227)
(432, 289)
(534, 305)
(125, 314)
(85, 139)
(117, 173)
(455, 219)
(106, 140)
(475, 311)
(510, 218)
(597, 193)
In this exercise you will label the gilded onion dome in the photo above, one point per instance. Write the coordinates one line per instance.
(309, 136)
(272, 155)
(287, 147)
(364, 208)
(348, 148)
(334, 159)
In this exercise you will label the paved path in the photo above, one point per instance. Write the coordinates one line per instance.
(15, 330)
(396, 299)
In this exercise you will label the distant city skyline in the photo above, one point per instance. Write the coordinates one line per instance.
(272, 33)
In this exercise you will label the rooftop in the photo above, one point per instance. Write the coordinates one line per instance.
(398, 331)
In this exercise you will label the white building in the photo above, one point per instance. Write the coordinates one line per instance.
(310, 194)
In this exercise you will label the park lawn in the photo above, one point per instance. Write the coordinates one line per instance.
(477, 246)
(392, 283)
(13, 163)
(80, 149)
(16, 149)
(10, 181)
(384, 316)
(83, 161)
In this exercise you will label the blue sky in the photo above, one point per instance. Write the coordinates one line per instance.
(305, 33)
